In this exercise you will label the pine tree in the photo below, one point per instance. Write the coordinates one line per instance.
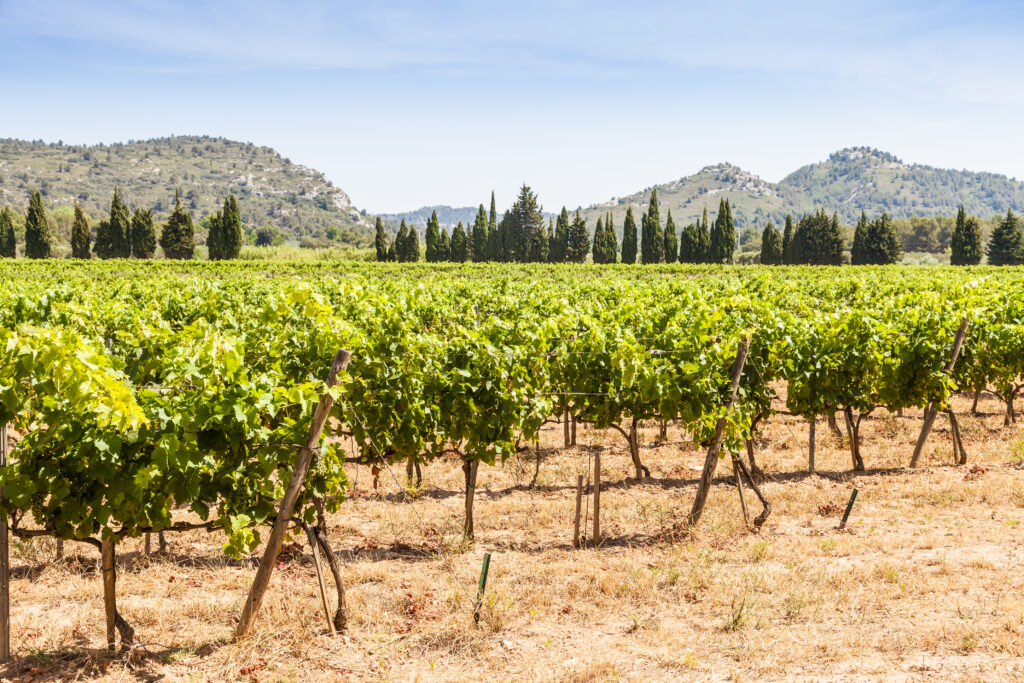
(540, 245)
(704, 239)
(433, 237)
(460, 246)
(481, 236)
(380, 240)
(8, 246)
(80, 235)
(560, 242)
(523, 227)
(629, 236)
(966, 241)
(787, 242)
(579, 240)
(1006, 245)
(671, 240)
(178, 235)
(402, 243)
(771, 246)
(652, 239)
(723, 235)
(231, 228)
(143, 234)
(858, 252)
(37, 229)
(113, 236)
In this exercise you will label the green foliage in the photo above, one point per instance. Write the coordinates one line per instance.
(37, 229)
(143, 234)
(966, 241)
(444, 247)
(817, 241)
(858, 253)
(380, 240)
(8, 245)
(113, 236)
(560, 238)
(882, 245)
(178, 236)
(788, 257)
(1006, 246)
(80, 235)
(481, 235)
(231, 227)
(432, 239)
(460, 251)
(629, 236)
(771, 246)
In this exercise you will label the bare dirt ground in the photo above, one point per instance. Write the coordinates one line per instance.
(926, 584)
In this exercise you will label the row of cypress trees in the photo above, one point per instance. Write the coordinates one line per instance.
(124, 234)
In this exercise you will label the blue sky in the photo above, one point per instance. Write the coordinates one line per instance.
(404, 104)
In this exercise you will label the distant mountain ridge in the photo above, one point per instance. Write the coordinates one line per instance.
(851, 180)
(300, 201)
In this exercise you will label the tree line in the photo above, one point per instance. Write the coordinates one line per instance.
(125, 234)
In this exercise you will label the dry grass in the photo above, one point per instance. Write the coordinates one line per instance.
(926, 583)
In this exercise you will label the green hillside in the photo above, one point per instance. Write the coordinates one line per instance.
(848, 182)
(303, 204)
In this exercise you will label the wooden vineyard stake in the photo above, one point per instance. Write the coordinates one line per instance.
(810, 444)
(739, 487)
(849, 507)
(315, 549)
(481, 587)
(958, 442)
(566, 437)
(5, 567)
(930, 412)
(711, 461)
(109, 589)
(291, 495)
(579, 505)
(596, 540)
(469, 470)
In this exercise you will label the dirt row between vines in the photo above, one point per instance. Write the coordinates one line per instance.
(927, 582)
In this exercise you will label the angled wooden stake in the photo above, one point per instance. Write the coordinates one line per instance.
(931, 412)
(291, 495)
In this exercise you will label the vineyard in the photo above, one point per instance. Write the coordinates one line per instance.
(157, 401)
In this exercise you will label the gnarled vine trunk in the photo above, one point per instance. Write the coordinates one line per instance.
(469, 469)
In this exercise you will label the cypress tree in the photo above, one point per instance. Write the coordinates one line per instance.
(652, 240)
(882, 244)
(966, 242)
(611, 239)
(444, 246)
(598, 246)
(412, 246)
(401, 244)
(579, 240)
(392, 256)
(37, 229)
(80, 235)
(540, 244)
(494, 246)
(787, 242)
(178, 235)
(492, 217)
(215, 237)
(704, 239)
(1006, 245)
(8, 246)
(858, 253)
(771, 246)
(380, 240)
(143, 234)
(560, 240)
(112, 235)
(723, 235)
(481, 236)
(671, 240)
(522, 227)
(629, 237)
(689, 244)
(231, 228)
(460, 246)
(433, 238)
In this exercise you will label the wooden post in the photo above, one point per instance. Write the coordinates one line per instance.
(810, 444)
(5, 567)
(930, 412)
(566, 438)
(291, 494)
(739, 487)
(849, 506)
(469, 469)
(109, 589)
(481, 587)
(579, 506)
(596, 540)
(711, 461)
(315, 549)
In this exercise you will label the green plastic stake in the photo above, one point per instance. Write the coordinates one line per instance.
(480, 588)
(849, 506)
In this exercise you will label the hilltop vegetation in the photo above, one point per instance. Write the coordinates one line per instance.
(299, 202)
